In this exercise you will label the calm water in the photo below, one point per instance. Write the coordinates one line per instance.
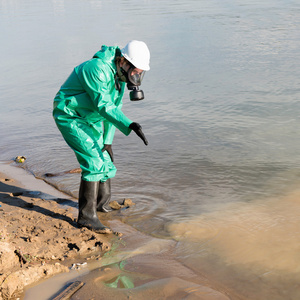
(222, 170)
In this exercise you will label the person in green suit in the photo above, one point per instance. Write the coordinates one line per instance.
(87, 111)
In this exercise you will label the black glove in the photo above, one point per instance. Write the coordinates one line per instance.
(109, 150)
(137, 128)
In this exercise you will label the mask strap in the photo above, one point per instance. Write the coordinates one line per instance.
(117, 84)
(121, 75)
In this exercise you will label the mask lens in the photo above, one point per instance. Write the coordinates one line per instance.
(135, 76)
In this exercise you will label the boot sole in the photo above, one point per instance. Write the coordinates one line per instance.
(104, 210)
(105, 230)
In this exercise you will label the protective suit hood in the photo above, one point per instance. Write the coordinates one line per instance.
(108, 54)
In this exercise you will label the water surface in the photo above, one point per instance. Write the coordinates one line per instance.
(221, 115)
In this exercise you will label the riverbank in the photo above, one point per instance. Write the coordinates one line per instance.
(39, 239)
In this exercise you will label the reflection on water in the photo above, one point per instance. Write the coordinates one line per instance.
(221, 114)
(141, 267)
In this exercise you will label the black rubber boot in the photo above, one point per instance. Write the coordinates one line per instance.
(104, 195)
(87, 216)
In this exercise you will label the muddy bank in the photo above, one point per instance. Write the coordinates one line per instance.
(137, 267)
(39, 236)
(143, 267)
(39, 239)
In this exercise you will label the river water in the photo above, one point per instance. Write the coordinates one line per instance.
(221, 172)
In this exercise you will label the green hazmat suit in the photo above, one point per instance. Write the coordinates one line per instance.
(87, 110)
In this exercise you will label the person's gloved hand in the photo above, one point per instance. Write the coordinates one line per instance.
(137, 128)
(109, 150)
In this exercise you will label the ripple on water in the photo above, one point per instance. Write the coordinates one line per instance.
(147, 215)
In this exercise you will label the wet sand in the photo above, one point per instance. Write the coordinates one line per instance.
(137, 267)
(39, 239)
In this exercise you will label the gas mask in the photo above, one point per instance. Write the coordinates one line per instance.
(134, 79)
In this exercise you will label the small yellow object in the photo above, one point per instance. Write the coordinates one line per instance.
(20, 159)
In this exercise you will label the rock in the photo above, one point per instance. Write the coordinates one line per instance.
(127, 202)
(115, 205)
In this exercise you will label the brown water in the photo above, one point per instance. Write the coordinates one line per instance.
(252, 249)
(221, 112)
(139, 267)
(242, 251)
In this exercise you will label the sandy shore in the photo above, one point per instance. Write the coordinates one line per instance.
(39, 235)
(39, 239)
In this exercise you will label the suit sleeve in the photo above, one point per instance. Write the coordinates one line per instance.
(95, 81)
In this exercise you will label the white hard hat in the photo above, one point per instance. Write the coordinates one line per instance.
(137, 53)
